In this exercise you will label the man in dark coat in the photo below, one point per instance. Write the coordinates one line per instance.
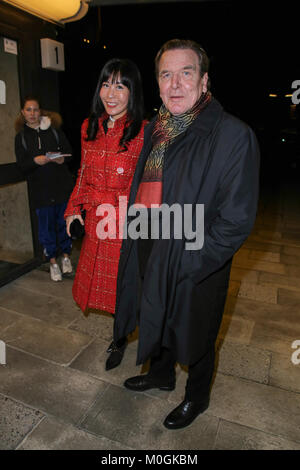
(195, 156)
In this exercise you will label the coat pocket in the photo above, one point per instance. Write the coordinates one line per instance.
(119, 171)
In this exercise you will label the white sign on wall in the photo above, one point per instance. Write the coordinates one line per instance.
(52, 53)
(2, 92)
(10, 46)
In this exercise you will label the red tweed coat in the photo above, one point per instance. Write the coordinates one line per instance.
(104, 175)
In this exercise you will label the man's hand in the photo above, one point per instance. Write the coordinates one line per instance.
(70, 219)
(41, 160)
(59, 160)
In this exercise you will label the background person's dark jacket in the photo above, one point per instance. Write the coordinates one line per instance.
(51, 183)
(215, 162)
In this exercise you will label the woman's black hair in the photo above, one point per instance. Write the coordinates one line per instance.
(125, 71)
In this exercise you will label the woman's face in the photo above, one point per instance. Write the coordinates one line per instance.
(32, 113)
(114, 96)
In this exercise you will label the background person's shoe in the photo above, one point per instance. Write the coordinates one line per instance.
(185, 413)
(66, 265)
(140, 383)
(55, 272)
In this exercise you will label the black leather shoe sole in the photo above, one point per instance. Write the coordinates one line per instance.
(141, 383)
(184, 414)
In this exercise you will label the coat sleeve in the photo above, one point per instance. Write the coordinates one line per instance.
(24, 160)
(236, 201)
(64, 143)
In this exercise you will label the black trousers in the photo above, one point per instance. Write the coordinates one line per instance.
(162, 367)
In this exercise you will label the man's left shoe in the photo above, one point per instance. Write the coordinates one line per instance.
(116, 355)
(66, 265)
(185, 414)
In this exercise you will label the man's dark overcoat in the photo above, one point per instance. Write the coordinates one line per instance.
(214, 162)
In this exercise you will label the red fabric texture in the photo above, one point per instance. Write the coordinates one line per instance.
(105, 175)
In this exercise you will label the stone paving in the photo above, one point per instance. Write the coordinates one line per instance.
(56, 394)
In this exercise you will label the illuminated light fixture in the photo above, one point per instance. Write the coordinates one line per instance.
(272, 95)
(55, 11)
(288, 96)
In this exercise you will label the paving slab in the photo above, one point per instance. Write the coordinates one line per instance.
(261, 293)
(233, 436)
(47, 341)
(135, 419)
(92, 361)
(55, 310)
(241, 255)
(256, 265)
(258, 406)
(275, 336)
(289, 260)
(236, 329)
(243, 361)
(262, 246)
(7, 318)
(288, 297)
(291, 236)
(285, 369)
(255, 311)
(261, 255)
(51, 434)
(39, 281)
(95, 324)
(240, 274)
(270, 234)
(279, 280)
(50, 388)
(16, 421)
(293, 270)
(291, 250)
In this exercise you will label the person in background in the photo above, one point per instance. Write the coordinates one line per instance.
(195, 155)
(111, 139)
(50, 182)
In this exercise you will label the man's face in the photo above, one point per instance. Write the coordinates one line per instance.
(179, 80)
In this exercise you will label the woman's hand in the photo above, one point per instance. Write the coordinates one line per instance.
(41, 160)
(70, 219)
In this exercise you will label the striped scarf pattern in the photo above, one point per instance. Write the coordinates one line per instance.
(167, 128)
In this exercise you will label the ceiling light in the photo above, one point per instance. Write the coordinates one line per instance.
(55, 11)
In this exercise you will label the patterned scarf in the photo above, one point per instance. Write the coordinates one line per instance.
(167, 128)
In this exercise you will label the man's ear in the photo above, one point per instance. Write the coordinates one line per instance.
(204, 82)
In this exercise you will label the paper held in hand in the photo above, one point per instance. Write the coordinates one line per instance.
(53, 155)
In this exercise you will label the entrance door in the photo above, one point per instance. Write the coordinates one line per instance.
(18, 246)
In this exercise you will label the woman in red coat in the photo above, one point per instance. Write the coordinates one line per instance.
(111, 141)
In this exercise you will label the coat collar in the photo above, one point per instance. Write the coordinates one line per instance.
(208, 118)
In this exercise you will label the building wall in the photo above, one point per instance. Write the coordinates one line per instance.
(22, 74)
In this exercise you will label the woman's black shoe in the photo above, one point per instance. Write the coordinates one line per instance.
(116, 354)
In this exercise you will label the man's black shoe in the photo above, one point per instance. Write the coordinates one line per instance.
(185, 414)
(140, 383)
(116, 355)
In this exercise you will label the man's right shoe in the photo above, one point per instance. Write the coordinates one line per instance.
(140, 383)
